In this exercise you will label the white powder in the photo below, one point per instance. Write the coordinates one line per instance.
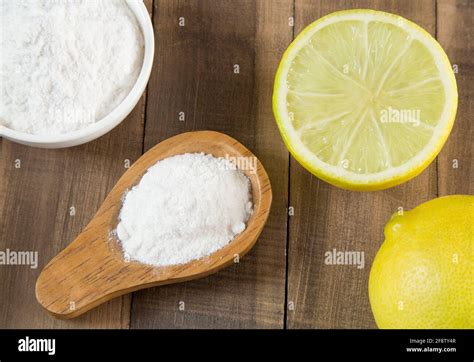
(65, 64)
(185, 207)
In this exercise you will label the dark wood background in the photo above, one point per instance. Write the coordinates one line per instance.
(194, 73)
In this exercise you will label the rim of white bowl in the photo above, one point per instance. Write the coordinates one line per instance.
(115, 117)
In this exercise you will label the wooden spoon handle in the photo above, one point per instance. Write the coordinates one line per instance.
(83, 275)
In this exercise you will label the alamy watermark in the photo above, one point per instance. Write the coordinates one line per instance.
(28, 344)
(73, 115)
(335, 257)
(13, 257)
(242, 163)
(394, 115)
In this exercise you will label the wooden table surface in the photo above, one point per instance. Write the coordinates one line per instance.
(283, 282)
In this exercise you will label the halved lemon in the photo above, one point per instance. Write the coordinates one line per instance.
(364, 99)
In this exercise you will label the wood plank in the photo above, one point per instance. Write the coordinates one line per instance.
(456, 160)
(194, 74)
(327, 296)
(35, 202)
(34, 215)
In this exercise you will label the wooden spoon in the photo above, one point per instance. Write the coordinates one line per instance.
(92, 269)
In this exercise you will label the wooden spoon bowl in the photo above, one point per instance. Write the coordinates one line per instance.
(92, 269)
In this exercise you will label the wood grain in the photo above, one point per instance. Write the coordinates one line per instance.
(194, 74)
(92, 269)
(327, 218)
(35, 215)
(456, 160)
(35, 202)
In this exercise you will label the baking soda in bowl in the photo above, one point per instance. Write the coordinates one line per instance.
(65, 64)
(184, 208)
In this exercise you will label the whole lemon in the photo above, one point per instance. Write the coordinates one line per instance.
(422, 276)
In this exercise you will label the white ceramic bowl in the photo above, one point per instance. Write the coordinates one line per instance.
(114, 118)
